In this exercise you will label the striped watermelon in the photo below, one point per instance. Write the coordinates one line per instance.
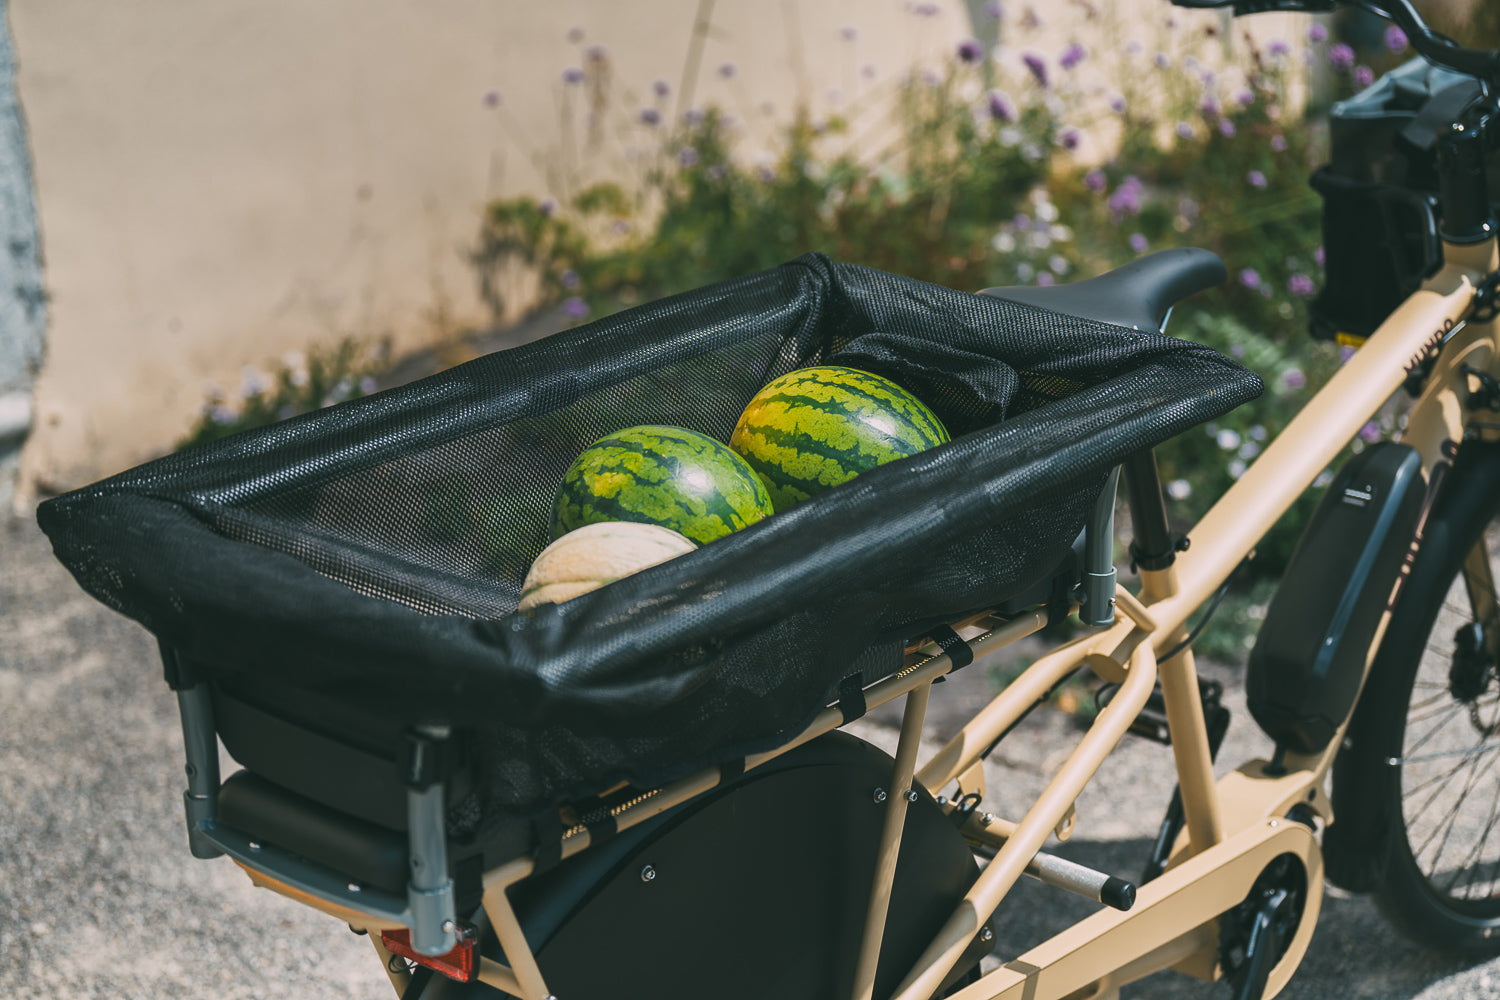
(817, 427)
(668, 476)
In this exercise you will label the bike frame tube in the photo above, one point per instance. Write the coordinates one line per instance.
(1236, 523)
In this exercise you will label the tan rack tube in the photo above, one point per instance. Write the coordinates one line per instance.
(1032, 831)
(890, 842)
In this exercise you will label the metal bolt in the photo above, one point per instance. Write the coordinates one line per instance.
(254, 845)
(942, 800)
(449, 927)
(354, 887)
(985, 819)
(986, 935)
(911, 795)
(648, 873)
(879, 795)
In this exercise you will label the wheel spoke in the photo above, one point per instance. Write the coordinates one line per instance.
(1446, 824)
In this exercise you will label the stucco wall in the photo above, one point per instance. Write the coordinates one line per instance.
(221, 183)
(22, 303)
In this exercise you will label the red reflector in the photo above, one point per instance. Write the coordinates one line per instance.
(460, 964)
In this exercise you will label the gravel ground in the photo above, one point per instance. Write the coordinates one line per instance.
(100, 898)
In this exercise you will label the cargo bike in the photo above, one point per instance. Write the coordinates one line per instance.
(645, 791)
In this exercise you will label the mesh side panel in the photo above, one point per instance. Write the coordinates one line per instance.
(374, 551)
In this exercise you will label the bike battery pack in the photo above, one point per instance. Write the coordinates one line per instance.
(1308, 661)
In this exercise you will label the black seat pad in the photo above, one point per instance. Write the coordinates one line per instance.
(1138, 295)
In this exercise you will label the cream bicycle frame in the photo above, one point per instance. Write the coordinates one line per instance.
(1234, 826)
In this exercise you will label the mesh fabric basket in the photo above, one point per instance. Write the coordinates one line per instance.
(373, 552)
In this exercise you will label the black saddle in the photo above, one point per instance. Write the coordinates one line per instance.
(1138, 295)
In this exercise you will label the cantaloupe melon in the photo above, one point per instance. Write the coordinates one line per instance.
(587, 558)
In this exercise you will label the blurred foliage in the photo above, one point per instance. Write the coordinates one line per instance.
(297, 383)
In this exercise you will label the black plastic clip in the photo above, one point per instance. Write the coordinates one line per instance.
(1487, 396)
(1487, 299)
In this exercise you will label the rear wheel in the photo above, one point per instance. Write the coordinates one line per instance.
(1430, 728)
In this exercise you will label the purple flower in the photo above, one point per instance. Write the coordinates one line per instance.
(1069, 138)
(1396, 40)
(1126, 199)
(1001, 108)
(1162, 60)
(1209, 106)
(1293, 378)
(1278, 48)
(1256, 179)
(970, 51)
(848, 32)
(547, 206)
(660, 88)
(716, 172)
(1347, 351)
(491, 98)
(569, 278)
(1278, 144)
(1072, 56)
(727, 70)
(1245, 96)
(687, 157)
(927, 10)
(596, 53)
(575, 307)
(1095, 180)
(994, 10)
(1184, 130)
(1319, 257)
(1301, 285)
(1138, 243)
(1117, 104)
(1226, 128)
(1317, 33)
(1370, 432)
(868, 71)
(692, 116)
(1037, 66)
(650, 116)
(1341, 57)
(1250, 278)
(1363, 76)
(572, 75)
(1045, 278)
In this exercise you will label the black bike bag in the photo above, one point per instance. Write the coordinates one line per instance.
(1380, 196)
(1308, 661)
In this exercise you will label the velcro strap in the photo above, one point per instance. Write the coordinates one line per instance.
(549, 831)
(601, 825)
(852, 697)
(958, 651)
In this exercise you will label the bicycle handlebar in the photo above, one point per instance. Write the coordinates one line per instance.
(1478, 63)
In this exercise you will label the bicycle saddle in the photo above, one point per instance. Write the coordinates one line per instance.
(1137, 295)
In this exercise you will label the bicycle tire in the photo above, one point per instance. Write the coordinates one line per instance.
(1427, 734)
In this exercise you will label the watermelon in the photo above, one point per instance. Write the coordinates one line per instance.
(814, 428)
(591, 556)
(667, 476)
